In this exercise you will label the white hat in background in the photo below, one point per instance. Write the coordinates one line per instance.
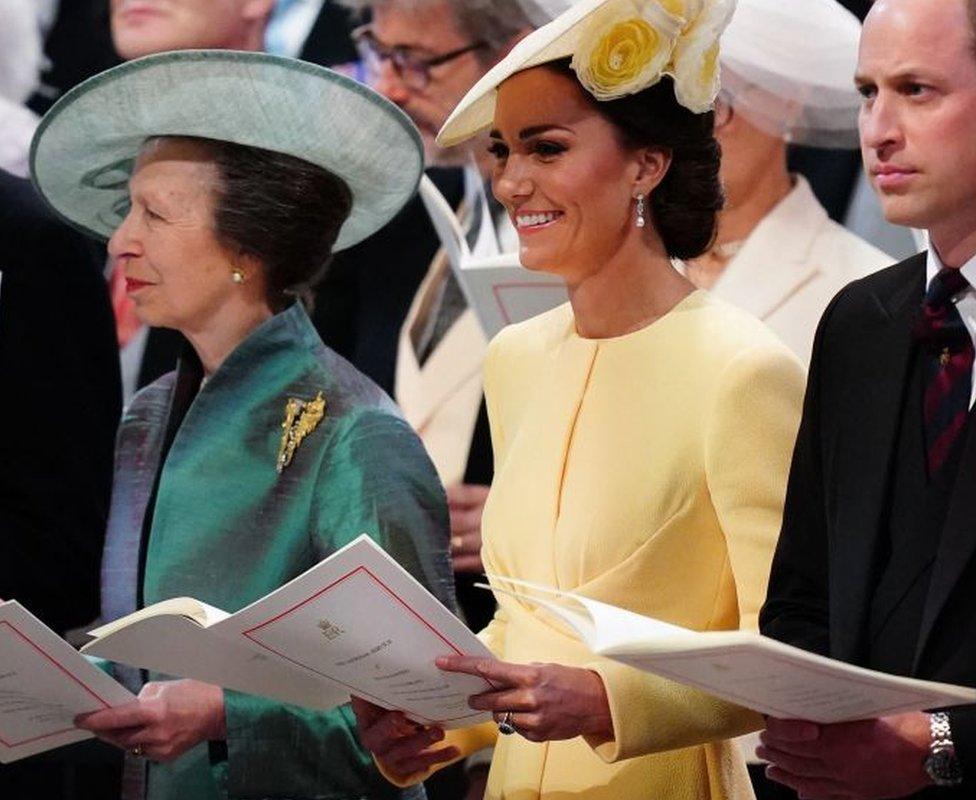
(788, 67)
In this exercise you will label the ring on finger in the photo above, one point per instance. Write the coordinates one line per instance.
(505, 725)
(137, 751)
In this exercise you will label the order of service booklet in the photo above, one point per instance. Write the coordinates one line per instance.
(496, 285)
(745, 668)
(44, 685)
(356, 623)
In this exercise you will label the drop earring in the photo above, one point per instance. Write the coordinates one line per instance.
(237, 275)
(640, 211)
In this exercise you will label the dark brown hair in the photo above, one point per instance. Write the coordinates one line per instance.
(280, 210)
(686, 203)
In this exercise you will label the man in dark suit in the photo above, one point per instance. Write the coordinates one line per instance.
(77, 46)
(59, 408)
(60, 401)
(877, 560)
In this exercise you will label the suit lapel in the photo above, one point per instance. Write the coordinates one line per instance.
(874, 393)
(329, 42)
(957, 544)
(422, 390)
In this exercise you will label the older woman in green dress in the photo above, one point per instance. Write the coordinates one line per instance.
(265, 451)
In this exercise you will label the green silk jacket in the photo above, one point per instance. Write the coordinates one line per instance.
(216, 521)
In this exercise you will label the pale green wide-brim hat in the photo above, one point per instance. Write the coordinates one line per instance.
(85, 147)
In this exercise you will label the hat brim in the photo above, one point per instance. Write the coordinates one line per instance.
(555, 40)
(84, 150)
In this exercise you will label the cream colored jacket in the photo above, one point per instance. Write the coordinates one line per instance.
(441, 399)
(793, 264)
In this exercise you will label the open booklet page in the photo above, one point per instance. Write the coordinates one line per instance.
(499, 289)
(739, 666)
(362, 621)
(44, 685)
(356, 623)
(179, 645)
(503, 292)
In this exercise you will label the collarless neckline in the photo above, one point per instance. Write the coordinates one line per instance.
(692, 300)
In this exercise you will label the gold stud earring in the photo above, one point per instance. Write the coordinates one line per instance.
(237, 275)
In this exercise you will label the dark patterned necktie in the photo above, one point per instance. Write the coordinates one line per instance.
(949, 358)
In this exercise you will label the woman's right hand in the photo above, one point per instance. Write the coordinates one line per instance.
(399, 745)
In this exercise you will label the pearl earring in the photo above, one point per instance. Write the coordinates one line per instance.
(237, 275)
(640, 211)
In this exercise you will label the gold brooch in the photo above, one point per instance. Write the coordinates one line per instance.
(301, 418)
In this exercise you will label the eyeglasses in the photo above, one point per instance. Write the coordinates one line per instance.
(409, 68)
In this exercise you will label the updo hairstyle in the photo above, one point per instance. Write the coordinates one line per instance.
(685, 205)
(280, 210)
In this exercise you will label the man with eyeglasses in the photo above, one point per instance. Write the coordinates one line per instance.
(425, 54)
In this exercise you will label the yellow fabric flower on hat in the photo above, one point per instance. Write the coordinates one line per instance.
(695, 65)
(688, 10)
(625, 48)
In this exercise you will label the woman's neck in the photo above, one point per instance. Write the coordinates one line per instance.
(744, 212)
(631, 290)
(223, 332)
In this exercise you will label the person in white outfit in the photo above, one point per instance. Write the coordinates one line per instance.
(787, 76)
(21, 57)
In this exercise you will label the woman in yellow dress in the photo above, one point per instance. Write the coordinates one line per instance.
(642, 432)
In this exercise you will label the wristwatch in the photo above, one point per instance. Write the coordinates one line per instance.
(941, 763)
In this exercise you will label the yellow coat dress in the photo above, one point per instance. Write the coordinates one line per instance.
(647, 471)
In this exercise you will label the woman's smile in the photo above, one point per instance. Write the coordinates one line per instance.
(534, 221)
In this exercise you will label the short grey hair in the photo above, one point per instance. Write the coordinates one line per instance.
(496, 22)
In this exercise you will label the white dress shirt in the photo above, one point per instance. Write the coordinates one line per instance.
(965, 301)
(290, 24)
(17, 126)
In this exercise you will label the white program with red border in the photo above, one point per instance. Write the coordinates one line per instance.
(44, 685)
(355, 624)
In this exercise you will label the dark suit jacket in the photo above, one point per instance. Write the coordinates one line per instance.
(826, 566)
(60, 402)
(364, 298)
(78, 46)
(329, 42)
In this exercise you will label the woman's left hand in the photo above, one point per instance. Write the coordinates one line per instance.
(546, 701)
(166, 720)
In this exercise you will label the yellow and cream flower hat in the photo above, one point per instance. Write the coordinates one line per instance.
(617, 47)
(85, 149)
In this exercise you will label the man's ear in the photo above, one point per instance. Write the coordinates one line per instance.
(653, 165)
(257, 10)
